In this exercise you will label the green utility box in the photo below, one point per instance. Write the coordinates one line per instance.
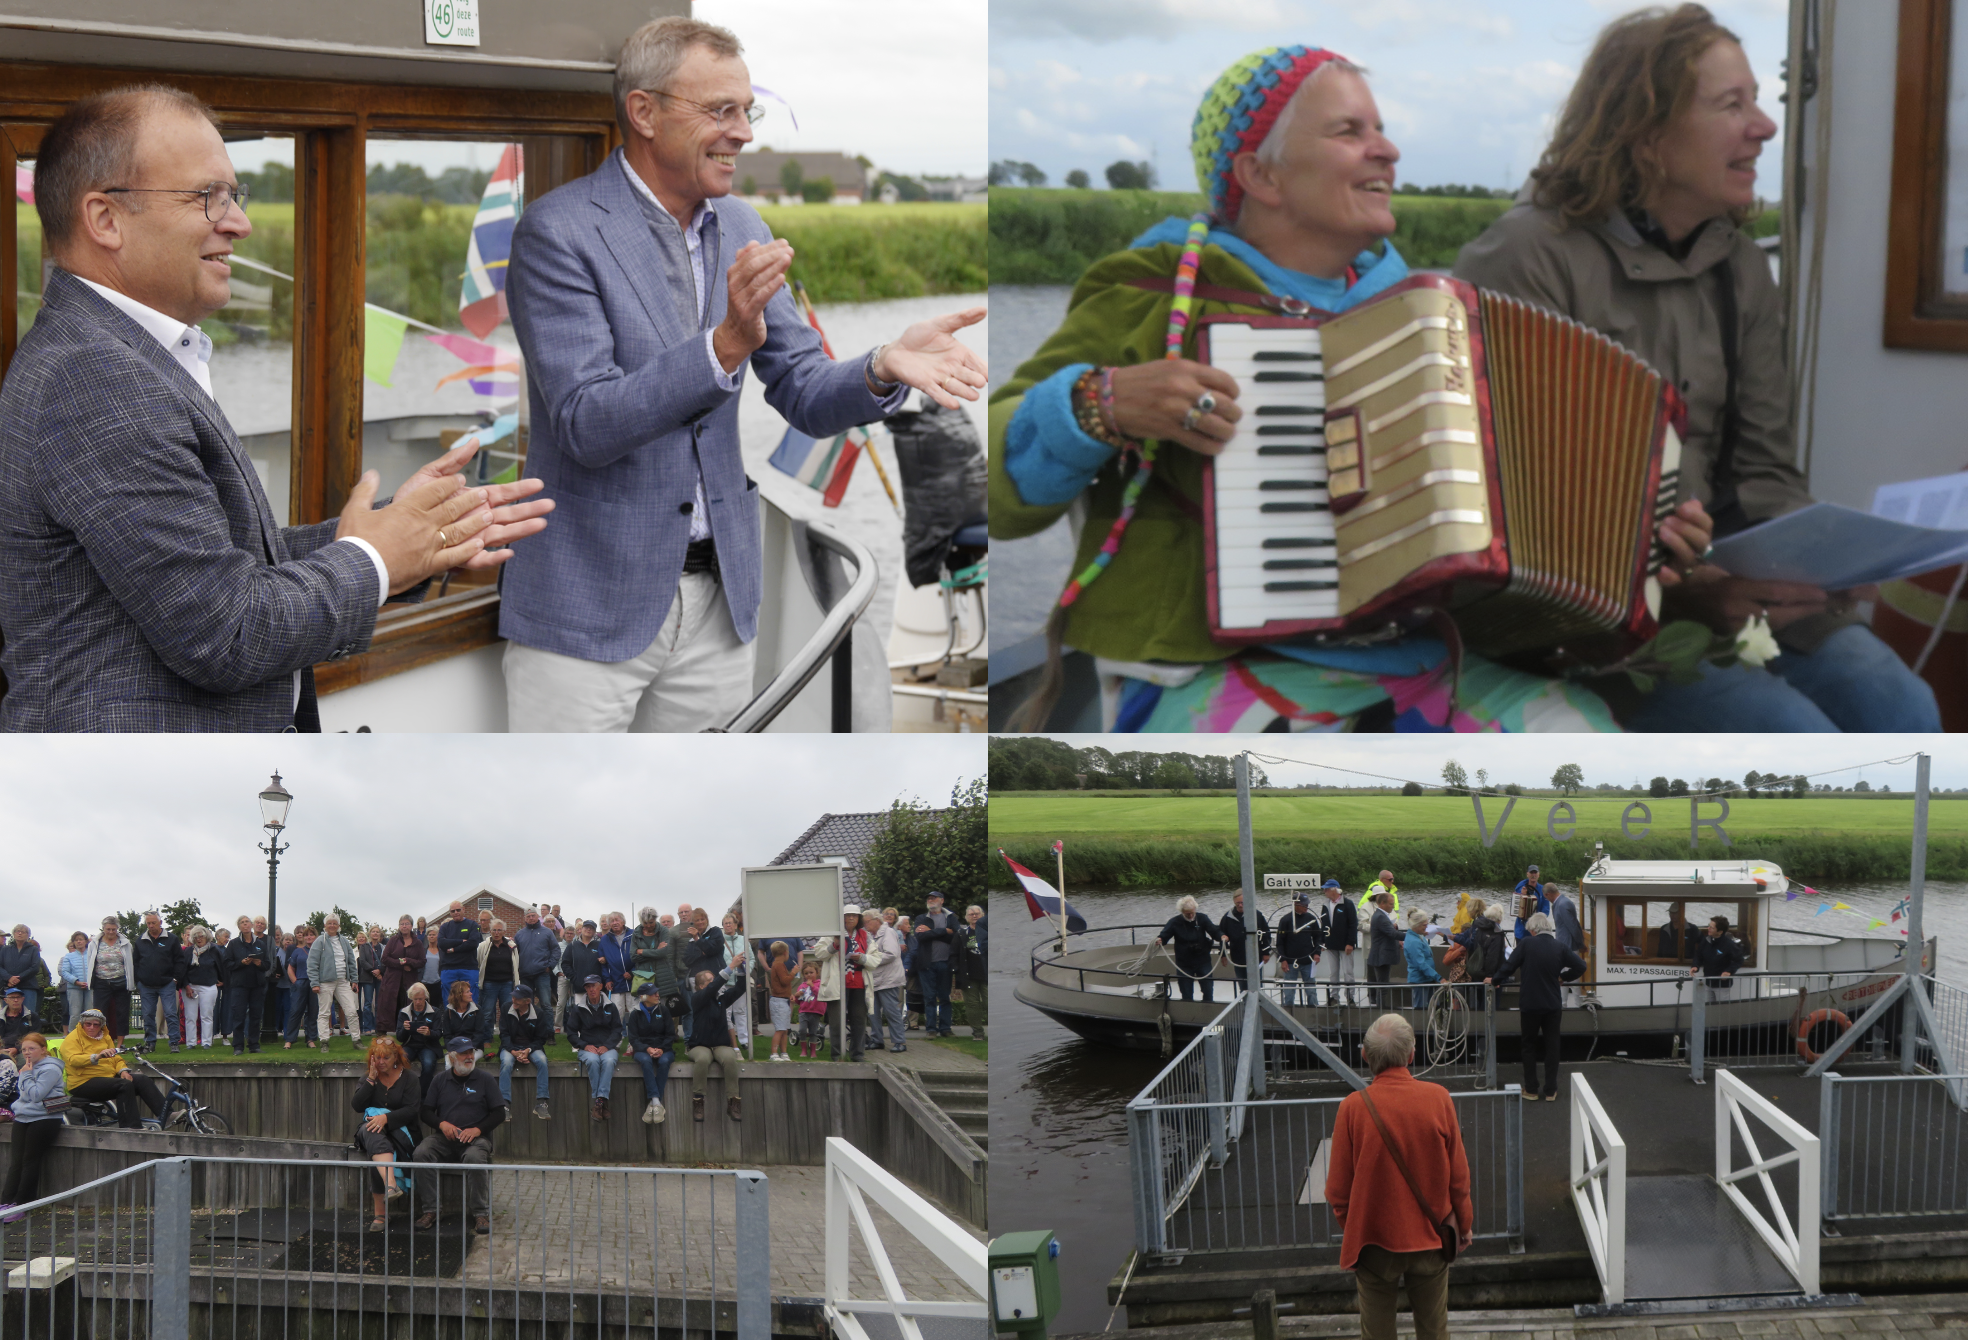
(1024, 1282)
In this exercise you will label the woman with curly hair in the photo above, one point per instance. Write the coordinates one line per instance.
(388, 1100)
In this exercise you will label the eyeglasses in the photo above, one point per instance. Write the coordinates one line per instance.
(727, 116)
(218, 197)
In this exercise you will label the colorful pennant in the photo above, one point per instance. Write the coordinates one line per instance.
(482, 299)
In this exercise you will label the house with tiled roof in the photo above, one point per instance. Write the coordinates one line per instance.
(485, 898)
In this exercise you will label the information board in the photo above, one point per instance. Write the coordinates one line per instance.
(1292, 883)
(785, 901)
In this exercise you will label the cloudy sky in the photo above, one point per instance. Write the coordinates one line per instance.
(1531, 759)
(384, 825)
(1469, 89)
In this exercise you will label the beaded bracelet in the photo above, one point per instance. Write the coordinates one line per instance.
(1107, 401)
(1087, 411)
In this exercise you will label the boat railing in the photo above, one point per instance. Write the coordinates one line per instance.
(1454, 1025)
(822, 553)
(1049, 965)
(1268, 1190)
(1772, 1019)
(1892, 1146)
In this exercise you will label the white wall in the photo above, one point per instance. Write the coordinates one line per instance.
(1883, 415)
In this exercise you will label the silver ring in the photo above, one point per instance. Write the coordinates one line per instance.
(1206, 402)
(1705, 554)
(1190, 419)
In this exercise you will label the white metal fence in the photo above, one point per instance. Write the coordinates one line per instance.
(854, 1179)
(1598, 1186)
(1790, 1231)
(1892, 1146)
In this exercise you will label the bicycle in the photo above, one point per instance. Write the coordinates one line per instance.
(182, 1110)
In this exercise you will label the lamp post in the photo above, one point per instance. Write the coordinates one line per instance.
(273, 810)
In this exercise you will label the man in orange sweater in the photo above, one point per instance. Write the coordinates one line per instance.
(1388, 1239)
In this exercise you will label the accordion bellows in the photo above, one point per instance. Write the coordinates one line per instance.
(1439, 448)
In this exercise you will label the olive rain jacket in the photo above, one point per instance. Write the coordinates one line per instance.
(1668, 310)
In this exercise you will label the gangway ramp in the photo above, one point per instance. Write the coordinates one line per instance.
(1749, 1230)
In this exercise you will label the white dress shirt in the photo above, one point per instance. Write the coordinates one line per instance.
(693, 245)
(192, 348)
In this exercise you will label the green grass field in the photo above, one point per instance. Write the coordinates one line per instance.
(1186, 818)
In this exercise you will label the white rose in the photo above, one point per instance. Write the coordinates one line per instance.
(1756, 644)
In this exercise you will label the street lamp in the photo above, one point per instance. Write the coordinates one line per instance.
(273, 808)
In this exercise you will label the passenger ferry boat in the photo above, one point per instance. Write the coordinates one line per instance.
(1114, 985)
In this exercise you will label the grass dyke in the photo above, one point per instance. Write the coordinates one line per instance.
(1459, 862)
(1052, 236)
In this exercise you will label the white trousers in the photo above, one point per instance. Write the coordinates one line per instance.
(325, 997)
(199, 1005)
(695, 675)
(737, 1017)
(1335, 966)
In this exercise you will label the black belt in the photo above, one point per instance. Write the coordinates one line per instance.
(701, 556)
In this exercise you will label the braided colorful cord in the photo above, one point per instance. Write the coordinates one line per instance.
(1178, 326)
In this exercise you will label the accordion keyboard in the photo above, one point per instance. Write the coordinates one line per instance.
(1275, 553)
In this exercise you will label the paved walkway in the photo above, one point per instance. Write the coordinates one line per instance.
(1921, 1316)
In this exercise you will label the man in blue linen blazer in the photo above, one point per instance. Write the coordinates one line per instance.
(621, 289)
(144, 583)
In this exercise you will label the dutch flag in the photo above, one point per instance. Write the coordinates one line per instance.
(1042, 898)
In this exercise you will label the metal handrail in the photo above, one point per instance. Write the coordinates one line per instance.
(1598, 1187)
(834, 631)
(1795, 1245)
(853, 1179)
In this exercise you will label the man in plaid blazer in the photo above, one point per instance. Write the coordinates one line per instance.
(144, 583)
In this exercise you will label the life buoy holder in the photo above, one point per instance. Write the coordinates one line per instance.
(1811, 1021)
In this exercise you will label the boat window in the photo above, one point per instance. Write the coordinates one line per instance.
(253, 335)
(1648, 932)
(27, 246)
(440, 358)
(1742, 925)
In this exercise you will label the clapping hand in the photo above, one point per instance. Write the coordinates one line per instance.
(929, 358)
(511, 519)
(751, 282)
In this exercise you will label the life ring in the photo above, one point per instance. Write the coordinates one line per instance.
(1810, 1022)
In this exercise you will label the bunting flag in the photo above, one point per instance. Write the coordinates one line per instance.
(1041, 898)
(1058, 847)
(382, 341)
(1900, 910)
(23, 184)
(1844, 907)
(482, 299)
(824, 466)
(1822, 909)
(1874, 925)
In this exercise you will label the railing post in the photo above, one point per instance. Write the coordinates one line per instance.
(1218, 1113)
(170, 1276)
(1828, 1147)
(1697, 1031)
(1490, 1044)
(754, 1234)
(1145, 1161)
(1513, 1164)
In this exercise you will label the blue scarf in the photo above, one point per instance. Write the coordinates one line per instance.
(1377, 274)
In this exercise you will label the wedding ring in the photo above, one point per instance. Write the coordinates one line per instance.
(1205, 403)
(1706, 554)
(1190, 419)
(442, 543)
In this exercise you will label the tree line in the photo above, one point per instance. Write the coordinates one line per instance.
(1034, 763)
(1569, 779)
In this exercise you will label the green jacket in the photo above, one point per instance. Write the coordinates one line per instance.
(1149, 605)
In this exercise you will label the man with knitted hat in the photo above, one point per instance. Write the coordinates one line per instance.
(1289, 149)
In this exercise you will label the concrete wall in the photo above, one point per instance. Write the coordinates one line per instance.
(789, 1111)
(565, 45)
(1882, 414)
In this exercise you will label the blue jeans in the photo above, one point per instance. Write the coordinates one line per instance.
(889, 999)
(150, 995)
(655, 1073)
(543, 991)
(1852, 682)
(446, 976)
(300, 1013)
(369, 1008)
(429, 1060)
(498, 995)
(599, 1067)
(936, 996)
(538, 1060)
(1305, 970)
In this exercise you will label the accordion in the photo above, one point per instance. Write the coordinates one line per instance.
(1439, 448)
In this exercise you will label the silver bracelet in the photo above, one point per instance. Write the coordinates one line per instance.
(876, 384)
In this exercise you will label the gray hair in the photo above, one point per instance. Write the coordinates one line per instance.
(1272, 150)
(331, 917)
(1187, 904)
(418, 989)
(654, 52)
(1537, 923)
(197, 931)
(1389, 1042)
(92, 146)
(1417, 919)
(497, 924)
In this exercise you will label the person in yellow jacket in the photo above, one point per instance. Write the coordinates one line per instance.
(96, 1074)
(1385, 884)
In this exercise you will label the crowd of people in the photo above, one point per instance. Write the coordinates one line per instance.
(448, 997)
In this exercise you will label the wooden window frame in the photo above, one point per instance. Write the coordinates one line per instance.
(332, 123)
(1919, 314)
(1748, 909)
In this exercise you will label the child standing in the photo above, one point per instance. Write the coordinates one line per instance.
(779, 998)
(812, 1011)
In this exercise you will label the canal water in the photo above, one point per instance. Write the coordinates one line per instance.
(1058, 1103)
(1026, 575)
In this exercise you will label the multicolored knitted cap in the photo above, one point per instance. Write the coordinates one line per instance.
(1239, 111)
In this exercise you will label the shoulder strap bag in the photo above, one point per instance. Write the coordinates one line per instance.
(1445, 1228)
